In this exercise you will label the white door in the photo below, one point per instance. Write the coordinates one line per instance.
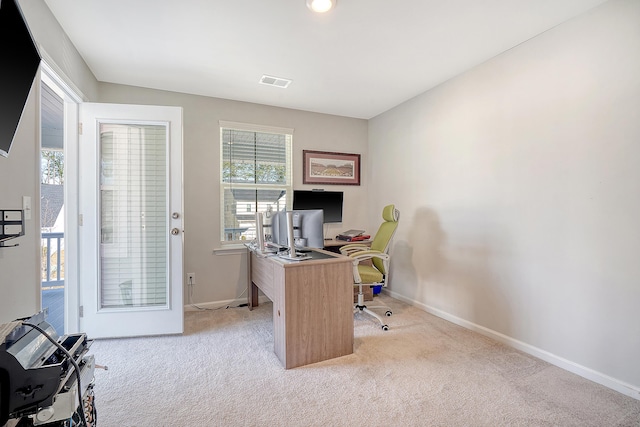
(131, 220)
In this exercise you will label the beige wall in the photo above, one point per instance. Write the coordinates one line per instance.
(18, 265)
(221, 278)
(521, 195)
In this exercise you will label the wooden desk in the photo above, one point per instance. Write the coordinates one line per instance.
(312, 305)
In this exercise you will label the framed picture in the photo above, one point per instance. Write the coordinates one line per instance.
(323, 167)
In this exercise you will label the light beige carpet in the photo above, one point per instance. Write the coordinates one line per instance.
(424, 371)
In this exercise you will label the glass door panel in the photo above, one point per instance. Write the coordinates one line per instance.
(133, 220)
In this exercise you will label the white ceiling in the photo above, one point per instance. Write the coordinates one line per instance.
(359, 60)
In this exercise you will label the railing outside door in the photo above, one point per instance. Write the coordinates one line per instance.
(52, 278)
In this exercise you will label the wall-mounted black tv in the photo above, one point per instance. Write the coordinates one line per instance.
(19, 62)
(329, 201)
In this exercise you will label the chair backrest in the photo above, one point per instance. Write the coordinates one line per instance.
(385, 233)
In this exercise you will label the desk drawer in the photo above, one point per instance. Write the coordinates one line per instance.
(262, 274)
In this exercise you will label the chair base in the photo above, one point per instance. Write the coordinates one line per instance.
(362, 308)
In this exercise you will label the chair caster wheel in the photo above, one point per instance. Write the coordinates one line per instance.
(385, 327)
(388, 313)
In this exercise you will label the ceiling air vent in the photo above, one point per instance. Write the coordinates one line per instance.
(275, 81)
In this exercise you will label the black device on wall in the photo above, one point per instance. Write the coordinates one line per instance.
(11, 225)
(329, 201)
(19, 62)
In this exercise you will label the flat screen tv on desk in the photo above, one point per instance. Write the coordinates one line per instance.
(307, 228)
(329, 201)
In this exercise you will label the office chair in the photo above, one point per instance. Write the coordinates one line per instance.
(376, 273)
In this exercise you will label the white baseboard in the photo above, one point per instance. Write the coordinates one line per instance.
(590, 374)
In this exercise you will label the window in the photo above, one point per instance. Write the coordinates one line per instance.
(255, 176)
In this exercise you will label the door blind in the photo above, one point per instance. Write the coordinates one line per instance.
(134, 222)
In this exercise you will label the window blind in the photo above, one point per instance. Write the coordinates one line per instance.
(134, 222)
(255, 176)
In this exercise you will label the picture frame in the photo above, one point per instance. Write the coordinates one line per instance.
(329, 168)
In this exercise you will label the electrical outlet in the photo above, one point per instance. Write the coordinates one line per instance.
(191, 278)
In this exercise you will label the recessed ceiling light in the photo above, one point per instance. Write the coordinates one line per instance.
(321, 6)
(275, 81)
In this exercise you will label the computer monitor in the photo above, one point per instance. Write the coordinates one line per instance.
(307, 228)
(329, 201)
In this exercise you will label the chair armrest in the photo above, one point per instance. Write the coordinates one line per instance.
(353, 247)
(367, 254)
(360, 256)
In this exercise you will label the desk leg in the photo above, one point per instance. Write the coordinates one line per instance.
(253, 295)
(252, 290)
